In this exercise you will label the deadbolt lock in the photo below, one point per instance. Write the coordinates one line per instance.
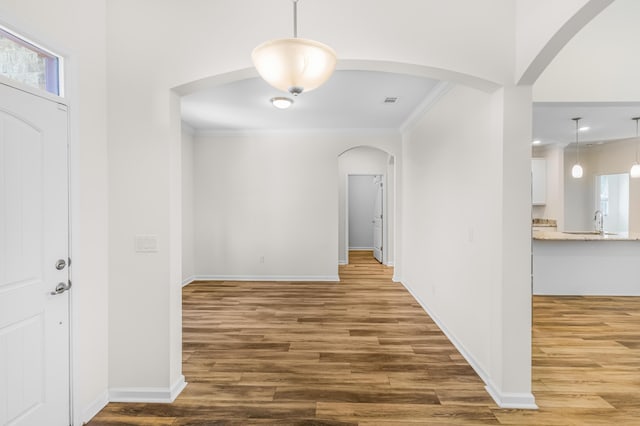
(60, 264)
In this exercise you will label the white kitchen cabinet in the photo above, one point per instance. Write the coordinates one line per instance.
(538, 181)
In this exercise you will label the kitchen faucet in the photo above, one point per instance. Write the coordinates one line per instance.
(598, 219)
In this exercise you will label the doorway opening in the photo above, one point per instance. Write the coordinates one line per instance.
(366, 218)
(366, 215)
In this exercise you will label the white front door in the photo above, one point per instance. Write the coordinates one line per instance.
(377, 221)
(34, 235)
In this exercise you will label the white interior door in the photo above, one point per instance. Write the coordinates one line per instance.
(34, 317)
(377, 221)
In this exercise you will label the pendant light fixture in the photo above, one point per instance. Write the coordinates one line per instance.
(635, 169)
(576, 170)
(294, 64)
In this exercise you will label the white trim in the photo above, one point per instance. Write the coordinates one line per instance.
(148, 395)
(396, 279)
(294, 278)
(94, 408)
(441, 89)
(187, 128)
(520, 401)
(300, 131)
(188, 280)
(18, 85)
(390, 264)
(360, 248)
(503, 400)
(342, 262)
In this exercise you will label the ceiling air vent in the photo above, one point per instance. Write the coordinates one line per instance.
(391, 100)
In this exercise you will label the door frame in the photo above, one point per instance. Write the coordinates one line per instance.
(383, 179)
(67, 76)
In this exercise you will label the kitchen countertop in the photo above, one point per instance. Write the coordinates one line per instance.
(563, 236)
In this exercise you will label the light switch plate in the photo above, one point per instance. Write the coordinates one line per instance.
(146, 243)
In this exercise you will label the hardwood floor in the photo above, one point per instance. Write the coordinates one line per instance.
(363, 352)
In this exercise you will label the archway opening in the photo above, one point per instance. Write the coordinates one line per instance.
(366, 218)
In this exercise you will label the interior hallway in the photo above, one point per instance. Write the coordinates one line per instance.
(363, 352)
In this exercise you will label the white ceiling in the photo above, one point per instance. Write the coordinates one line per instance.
(553, 124)
(349, 100)
(355, 100)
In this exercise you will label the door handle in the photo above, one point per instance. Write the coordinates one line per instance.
(61, 288)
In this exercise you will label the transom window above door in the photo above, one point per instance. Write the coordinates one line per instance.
(24, 61)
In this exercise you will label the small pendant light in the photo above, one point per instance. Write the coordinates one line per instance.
(576, 170)
(635, 169)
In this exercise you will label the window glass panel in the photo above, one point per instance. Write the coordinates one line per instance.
(22, 61)
(612, 199)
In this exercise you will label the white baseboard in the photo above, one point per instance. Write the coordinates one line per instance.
(398, 279)
(361, 248)
(94, 408)
(332, 278)
(521, 401)
(342, 262)
(391, 264)
(188, 281)
(503, 400)
(153, 395)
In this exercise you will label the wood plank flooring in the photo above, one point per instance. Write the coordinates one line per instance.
(363, 352)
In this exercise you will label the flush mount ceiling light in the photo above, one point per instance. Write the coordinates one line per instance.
(294, 64)
(576, 171)
(635, 169)
(281, 102)
(536, 142)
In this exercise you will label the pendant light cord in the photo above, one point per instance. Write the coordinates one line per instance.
(295, 18)
(637, 141)
(577, 120)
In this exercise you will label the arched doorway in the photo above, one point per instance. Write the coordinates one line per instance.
(366, 203)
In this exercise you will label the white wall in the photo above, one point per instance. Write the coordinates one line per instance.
(543, 27)
(610, 158)
(267, 204)
(460, 234)
(464, 41)
(144, 199)
(366, 160)
(598, 64)
(56, 25)
(188, 202)
(362, 197)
